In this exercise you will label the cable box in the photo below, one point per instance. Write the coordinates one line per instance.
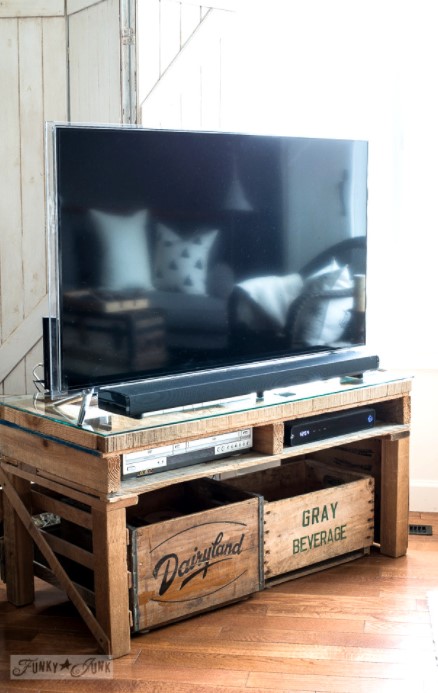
(323, 426)
(165, 457)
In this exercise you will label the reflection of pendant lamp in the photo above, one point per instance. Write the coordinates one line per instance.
(236, 199)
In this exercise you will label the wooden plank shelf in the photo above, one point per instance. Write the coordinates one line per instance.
(251, 460)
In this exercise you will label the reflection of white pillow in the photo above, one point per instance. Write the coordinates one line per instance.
(273, 294)
(326, 321)
(181, 264)
(125, 261)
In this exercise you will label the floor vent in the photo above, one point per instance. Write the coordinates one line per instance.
(421, 530)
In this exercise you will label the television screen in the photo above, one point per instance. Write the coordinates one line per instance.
(178, 251)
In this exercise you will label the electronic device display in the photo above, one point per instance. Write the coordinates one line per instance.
(323, 426)
(191, 266)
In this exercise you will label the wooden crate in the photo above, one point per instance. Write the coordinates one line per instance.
(193, 546)
(313, 513)
(365, 457)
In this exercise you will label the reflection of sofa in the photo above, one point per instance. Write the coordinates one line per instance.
(326, 303)
(331, 308)
(183, 275)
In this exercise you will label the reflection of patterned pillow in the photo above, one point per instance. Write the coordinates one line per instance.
(181, 264)
(325, 321)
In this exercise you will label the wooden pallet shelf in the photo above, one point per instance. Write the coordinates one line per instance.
(48, 464)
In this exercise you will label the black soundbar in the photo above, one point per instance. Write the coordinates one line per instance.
(137, 398)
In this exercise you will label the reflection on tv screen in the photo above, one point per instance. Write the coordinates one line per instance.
(184, 251)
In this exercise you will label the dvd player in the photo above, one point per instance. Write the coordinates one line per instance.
(160, 459)
(323, 426)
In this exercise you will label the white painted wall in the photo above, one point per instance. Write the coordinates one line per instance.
(423, 447)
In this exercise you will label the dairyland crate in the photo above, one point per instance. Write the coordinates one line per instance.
(193, 546)
(315, 515)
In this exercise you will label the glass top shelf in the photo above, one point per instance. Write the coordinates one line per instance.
(104, 423)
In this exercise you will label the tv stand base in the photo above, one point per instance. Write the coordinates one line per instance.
(51, 465)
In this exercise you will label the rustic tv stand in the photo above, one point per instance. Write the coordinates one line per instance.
(50, 464)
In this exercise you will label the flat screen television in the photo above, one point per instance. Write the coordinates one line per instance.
(187, 267)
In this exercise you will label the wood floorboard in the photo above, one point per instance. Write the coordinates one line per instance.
(361, 627)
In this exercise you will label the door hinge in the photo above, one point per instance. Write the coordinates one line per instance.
(128, 37)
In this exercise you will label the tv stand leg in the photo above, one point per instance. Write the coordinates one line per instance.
(84, 398)
(111, 577)
(18, 543)
(394, 503)
(260, 396)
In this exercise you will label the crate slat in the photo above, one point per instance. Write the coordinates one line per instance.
(42, 502)
(69, 550)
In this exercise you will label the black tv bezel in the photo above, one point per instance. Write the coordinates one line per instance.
(135, 397)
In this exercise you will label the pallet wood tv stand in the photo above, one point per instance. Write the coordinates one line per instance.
(50, 464)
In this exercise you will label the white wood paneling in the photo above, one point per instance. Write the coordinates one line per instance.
(55, 70)
(170, 32)
(33, 75)
(15, 383)
(73, 6)
(94, 65)
(211, 87)
(163, 29)
(189, 91)
(24, 338)
(148, 46)
(32, 158)
(11, 267)
(182, 59)
(231, 5)
(31, 8)
(190, 18)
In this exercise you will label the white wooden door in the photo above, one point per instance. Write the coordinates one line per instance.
(185, 58)
(33, 89)
(100, 58)
(90, 61)
(58, 61)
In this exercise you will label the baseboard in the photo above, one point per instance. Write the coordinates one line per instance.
(423, 496)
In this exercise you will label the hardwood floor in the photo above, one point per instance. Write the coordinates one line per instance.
(362, 627)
